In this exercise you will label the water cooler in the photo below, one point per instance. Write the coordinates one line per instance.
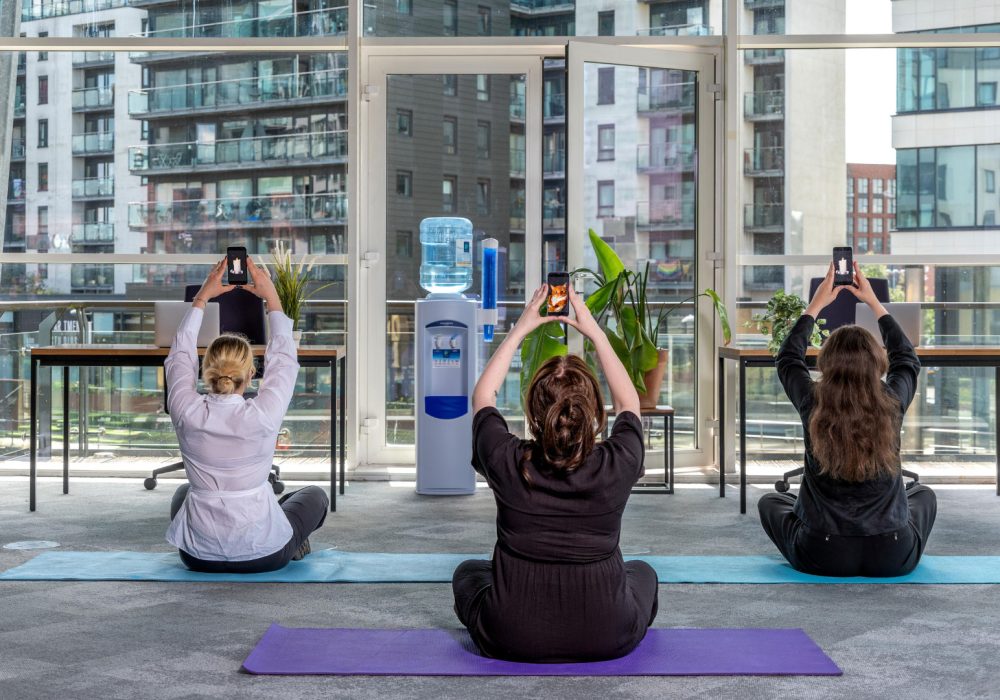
(447, 327)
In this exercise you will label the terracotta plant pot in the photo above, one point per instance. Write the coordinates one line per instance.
(654, 380)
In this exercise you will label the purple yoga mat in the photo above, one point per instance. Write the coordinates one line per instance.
(287, 651)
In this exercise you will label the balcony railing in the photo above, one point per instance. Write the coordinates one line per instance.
(94, 187)
(260, 149)
(676, 96)
(769, 161)
(81, 57)
(536, 7)
(517, 107)
(238, 92)
(22, 62)
(517, 167)
(19, 104)
(270, 210)
(665, 156)
(554, 163)
(326, 22)
(766, 104)
(96, 142)
(756, 57)
(92, 278)
(15, 191)
(764, 277)
(554, 106)
(93, 233)
(90, 98)
(763, 216)
(32, 10)
(763, 4)
(677, 30)
(674, 215)
(17, 149)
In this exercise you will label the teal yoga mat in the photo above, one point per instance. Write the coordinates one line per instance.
(332, 566)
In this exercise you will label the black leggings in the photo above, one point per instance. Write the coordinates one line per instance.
(305, 510)
(889, 554)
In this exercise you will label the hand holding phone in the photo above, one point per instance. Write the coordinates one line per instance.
(557, 302)
(843, 266)
(236, 265)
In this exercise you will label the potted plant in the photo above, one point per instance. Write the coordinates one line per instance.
(782, 311)
(621, 306)
(291, 281)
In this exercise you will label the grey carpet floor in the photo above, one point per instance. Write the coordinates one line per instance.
(163, 640)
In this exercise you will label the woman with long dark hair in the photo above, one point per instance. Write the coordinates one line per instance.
(853, 515)
(557, 589)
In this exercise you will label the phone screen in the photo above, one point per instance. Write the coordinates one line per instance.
(843, 266)
(558, 299)
(236, 265)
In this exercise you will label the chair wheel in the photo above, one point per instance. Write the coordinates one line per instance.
(781, 486)
(278, 487)
(149, 483)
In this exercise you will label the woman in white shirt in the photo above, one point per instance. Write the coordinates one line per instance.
(226, 519)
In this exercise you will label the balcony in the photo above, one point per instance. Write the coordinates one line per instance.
(665, 157)
(763, 57)
(92, 279)
(17, 149)
(517, 167)
(764, 162)
(763, 4)
(93, 143)
(765, 105)
(93, 98)
(763, 278)
(264, 211)
(554, 164)
(666, 97)
(517, 108)
(15, 191)
(664, 215)
(90, 58)
(228, 154)
(541, 8)
(19, 103)
(239, 92)
(554, 219)
(47, 8)
(677, 30)
(94, 188)
(325, 22)
(554, 107)
(22, 62)
(759, 218)
(93, 233)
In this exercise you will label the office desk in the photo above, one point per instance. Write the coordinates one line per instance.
(932, 356)
(67, 356)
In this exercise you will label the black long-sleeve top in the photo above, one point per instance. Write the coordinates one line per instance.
(833, 506)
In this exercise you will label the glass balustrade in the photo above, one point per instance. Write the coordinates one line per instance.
(264, 209)
(89, 98)
(677, 30)
(260, 149)
(665, 156)
(326, 22)
(94, 187)
(675, 214)
(763, 216)
(95, 142)
(17, 149)
(93, 233)
(32, 10)
(93, 57)
(517, 162)
(676, 96)
(764, 104)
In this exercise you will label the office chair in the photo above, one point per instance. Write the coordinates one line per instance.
(240, 312)
(781, 485)
(841, 312)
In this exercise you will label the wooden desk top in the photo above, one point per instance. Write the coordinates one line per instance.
(737, 352)
(123, 350)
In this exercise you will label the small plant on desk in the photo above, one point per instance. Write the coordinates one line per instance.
(782, 311)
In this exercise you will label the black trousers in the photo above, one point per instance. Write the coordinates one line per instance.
(305, 509)
(889, 554)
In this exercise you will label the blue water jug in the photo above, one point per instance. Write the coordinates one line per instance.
(446, 254)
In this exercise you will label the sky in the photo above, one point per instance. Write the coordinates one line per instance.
(871, 85)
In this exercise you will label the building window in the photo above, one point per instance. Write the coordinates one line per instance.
(605, 198)
(861, 244)
(43, 177)
(892, 223)
(877, 245)
(989, 217)
(483, 197)
(450, 17)
(483, 87)
(877, 205)
(877, 185)
(876, 225)
(43, 229)
(43, 89)
(850, 205)
(43, 55)
(986, 94)
(890, 187)
(850, 228)
(862, 225)
(43, 133)
(863, 205)
(404, 122)
(404, 183)
(483, 137)
(404, 7)
(990, 180)
(862, 185)
(485, 25)
(850, 187)
(450, 85)
(448, 186)
(606, 23)
(404, 244)
(891, 208)
(606, 85)
(606, 142)
(449, 135)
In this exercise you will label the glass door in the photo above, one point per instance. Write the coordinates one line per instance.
(640, 174)
(448, 136)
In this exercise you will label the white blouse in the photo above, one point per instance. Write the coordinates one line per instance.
(227, 444)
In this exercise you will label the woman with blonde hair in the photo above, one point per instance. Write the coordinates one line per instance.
(557, 589)
(226, 519)
(853, 516)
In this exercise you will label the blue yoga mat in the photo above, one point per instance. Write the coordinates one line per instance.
(332, 566)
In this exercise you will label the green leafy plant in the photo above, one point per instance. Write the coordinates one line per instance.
(291, 281)
(621, 307)
(782, 311)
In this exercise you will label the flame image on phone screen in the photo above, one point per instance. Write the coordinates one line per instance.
(558, 299)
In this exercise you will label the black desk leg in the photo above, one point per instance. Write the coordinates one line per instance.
(669, 427)
(743, 438)
(343, 421)
(333, 436)
(65, 429)
(32, 435)
(722, 426)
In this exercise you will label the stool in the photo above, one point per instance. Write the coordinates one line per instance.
(667, 414)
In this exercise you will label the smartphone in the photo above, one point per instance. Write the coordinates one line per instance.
(236, 264)
(557, 303)
(843, 265)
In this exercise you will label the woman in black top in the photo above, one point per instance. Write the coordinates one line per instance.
(853, 516)
(557, 589)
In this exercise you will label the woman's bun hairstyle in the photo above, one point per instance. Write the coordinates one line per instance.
(228, 364)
